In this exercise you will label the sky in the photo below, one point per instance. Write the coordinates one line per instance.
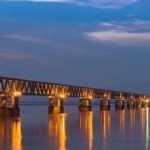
(95, 43)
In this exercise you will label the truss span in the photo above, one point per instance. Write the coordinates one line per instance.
(28, 87)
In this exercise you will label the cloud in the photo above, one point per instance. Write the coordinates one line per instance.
(119, 37)
(26, 38)
(133, 25)
(135, 33)
(112, 25)
(49, 0)
(106, 4)
(103, 4)
(50, 43)
(16, 55)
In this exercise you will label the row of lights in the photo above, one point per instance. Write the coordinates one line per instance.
(63, 96)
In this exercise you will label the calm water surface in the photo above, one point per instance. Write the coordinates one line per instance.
(105, 130)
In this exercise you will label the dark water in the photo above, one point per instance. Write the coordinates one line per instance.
(105, 130)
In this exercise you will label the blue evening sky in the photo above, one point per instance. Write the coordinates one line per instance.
(97, 43)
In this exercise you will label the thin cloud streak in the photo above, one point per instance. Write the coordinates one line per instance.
(102, 4)
(11, 54)
(26, 38)
(52, 44)
(49, 0)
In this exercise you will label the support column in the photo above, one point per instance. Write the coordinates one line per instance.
(119, 104)
(105, 104)
(60, 105)
(3, 102)
(15, 110)
(131, 104)
(3, 107)
(10, 111)
(15, 102)
(51, 106)
(55, 108)
(85, 105)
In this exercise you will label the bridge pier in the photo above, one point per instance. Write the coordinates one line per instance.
(15, 102)
(55, 106)
(3, 102)
(119, 104)
(104, 104)
(85, 105)
(130, 104)
(9, 111)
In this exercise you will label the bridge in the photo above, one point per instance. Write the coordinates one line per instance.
(12, 88)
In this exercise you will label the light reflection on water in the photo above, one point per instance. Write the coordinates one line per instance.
(57, 130)
(105, 121)
(121, 121)
(124, 129)
(147, 129)
(10, 133)
(86, 127)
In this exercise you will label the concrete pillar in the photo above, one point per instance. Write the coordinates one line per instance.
(55, 108)
(85, 105)
(51, 106)
(15, 102)
(15, 110)
(3, 102)
(131, 104)
(51, 102)
(60, 102)
(119, 104)
(10, 111)
(139, 104)
(104, 104)
(61, 105)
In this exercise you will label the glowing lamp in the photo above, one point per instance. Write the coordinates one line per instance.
(90, 97)
(62, 96)
(17, 94)
(147, 100)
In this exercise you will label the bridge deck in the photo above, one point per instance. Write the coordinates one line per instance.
(28, 87)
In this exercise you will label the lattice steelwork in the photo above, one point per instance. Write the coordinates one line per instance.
(27, 87)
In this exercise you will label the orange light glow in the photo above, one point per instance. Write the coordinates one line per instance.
(62, 96)
(121, 121)
(147, 100)
(16, 135)
(57, 130)
(11, 133)
(86, 126)
(105, 121)
(90, 97)
(17, 94)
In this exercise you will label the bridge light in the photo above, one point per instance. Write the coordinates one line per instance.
(62, 96)
(90, 97)
(147, 100)
(17, 94)
(51, 96)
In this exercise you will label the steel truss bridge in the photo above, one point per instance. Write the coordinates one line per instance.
(28, 87)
